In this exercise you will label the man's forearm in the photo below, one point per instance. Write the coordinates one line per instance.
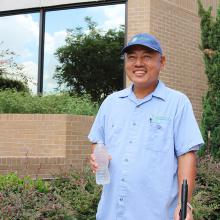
(187, 170)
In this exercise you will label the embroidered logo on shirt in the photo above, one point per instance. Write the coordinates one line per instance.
(159, 120)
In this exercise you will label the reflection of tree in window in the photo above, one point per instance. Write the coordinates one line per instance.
(11, 74)
(90, 61)
(23, 40)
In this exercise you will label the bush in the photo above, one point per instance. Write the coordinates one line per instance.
(22, 102)
(206, 199)
(81, 192)
(28, 199)
(13, 84)
(71, 197)
(75, 196)
(210, 46)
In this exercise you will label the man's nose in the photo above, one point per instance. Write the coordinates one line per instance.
(139, 61)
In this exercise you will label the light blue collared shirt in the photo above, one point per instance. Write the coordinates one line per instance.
(144, 138)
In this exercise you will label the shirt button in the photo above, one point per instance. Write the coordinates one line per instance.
(130, 142)
(134, 123)
(122, 179)
(126, 159)
(121, 199)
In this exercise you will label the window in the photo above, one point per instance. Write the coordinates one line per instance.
(20, 34)
(57, 24)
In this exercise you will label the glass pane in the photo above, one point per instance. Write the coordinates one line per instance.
(19, 46)
(59, 22)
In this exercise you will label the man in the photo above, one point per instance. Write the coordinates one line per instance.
(151, 135)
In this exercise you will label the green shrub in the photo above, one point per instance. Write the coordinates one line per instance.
(75, 196)
(210, 46)
(81, 192)
(17, 85)
(71, 197)
(29, 199)
(14, 183)
(206, 199)
(22, 102)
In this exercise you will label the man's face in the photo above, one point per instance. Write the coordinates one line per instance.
(143, 65)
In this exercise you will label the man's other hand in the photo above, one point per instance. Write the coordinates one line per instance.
(189, 215)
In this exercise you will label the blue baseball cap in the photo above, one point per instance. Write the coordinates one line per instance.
(144, 39)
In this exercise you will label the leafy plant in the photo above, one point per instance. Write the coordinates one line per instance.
(73, 196)
(81, 192)
(206, 198)
(22, 102)
(210, 46)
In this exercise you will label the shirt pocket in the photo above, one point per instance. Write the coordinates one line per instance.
(159, 136)
(113, 133)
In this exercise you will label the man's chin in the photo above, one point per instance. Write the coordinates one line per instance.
(145, 85)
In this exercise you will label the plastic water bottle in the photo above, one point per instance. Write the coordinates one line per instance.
(102, 159)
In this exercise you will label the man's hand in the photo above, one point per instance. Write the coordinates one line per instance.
(189, 215)
(93, 164)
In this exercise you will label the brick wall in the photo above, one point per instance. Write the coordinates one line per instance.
(38, 144)
(177, 25)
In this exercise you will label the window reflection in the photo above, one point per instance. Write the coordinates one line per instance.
(57, 25)
(19, 34)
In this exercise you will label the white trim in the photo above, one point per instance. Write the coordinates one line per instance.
(8, 5)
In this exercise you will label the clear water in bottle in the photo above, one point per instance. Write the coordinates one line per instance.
(102, 159)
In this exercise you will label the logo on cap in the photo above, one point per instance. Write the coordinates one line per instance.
(134, 39)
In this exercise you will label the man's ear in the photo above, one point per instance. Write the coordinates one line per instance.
(162, 61)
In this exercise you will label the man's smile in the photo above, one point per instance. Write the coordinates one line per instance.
(140, 72)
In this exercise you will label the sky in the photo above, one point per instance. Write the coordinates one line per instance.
(20, 33)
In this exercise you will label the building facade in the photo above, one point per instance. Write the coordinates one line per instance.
(177, 25)
(174, 22)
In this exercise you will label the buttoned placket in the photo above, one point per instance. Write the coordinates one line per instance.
(127, 160)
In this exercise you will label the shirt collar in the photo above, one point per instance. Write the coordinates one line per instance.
(126, 92)
(159, 92)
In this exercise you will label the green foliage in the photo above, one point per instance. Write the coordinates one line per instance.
(70, 197)
(14, 183)
(12, 84)
(28, 199)
(63, 103)
(206, 199)
(75, 196)
(90, 62)
(210, 46)
(81, 192)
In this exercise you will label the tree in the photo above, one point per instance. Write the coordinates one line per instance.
(11, 73)
(210, 46)
(90, 61)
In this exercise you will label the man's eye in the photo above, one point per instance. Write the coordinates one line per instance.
(131, 57)
(147, 57)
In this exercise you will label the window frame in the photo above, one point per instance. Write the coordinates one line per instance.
(42, 12)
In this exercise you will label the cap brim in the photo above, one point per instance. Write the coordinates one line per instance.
(126, 48)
